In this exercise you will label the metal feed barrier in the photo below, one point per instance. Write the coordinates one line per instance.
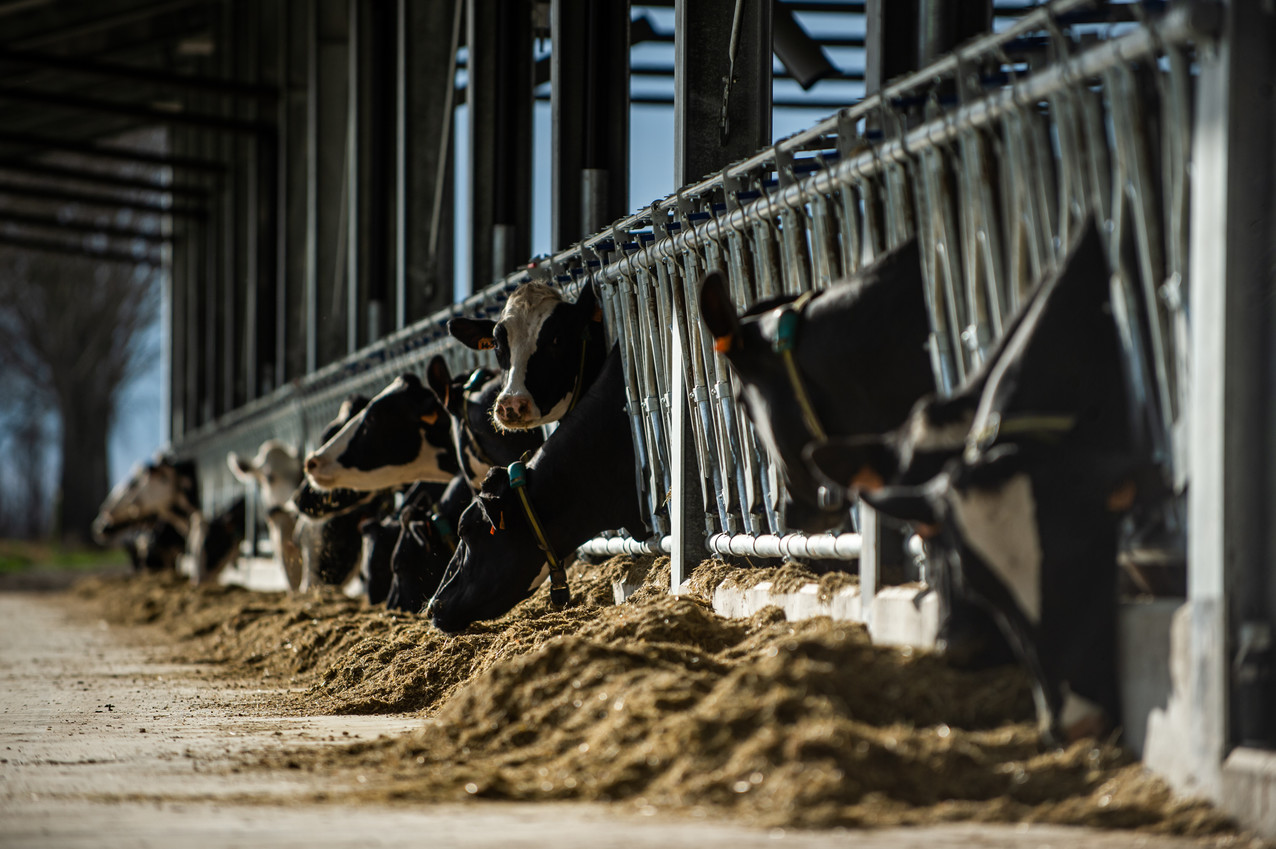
(992, 155)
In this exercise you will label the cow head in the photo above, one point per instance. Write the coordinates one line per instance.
(850, 360)
(478, 442)
(543, 345)
(164, 489)
(403, 435)
(497, 562)
(276, 470)
(1031, 531)
(214, 543)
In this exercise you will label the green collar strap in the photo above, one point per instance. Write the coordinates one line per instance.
(786, 330)
(559, 594)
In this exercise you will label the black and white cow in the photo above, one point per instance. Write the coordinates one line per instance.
(580, 483)
(550, 350)
(426, 542)
(1025, 512)
(164, 490)
(469, 401)
(859, 355)
(276, 472)
(401, 436)
(214, 543)
(328, 520)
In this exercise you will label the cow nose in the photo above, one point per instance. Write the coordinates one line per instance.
(513, 408)
(312, 463)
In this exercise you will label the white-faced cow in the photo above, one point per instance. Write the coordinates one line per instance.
(847, 360)
(1025, 511)
(579, 483)
(164, 490)
(550, 351)
(478, 443)
(401, 436)
(276, 472)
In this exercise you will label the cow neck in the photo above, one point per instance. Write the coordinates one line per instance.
(472, 385)
(785, 341)
(559, 594)
(180, 513)
(580, 371)
(434, 514)
(1040, 427)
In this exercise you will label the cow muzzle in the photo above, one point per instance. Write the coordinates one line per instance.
(514, 411)
(321, 471)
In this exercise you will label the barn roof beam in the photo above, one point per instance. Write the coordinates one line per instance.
(118, 154)
(110, 21)
(150, 76)
(135, 110)
(85, 175)
(65, 196)
(63, 247)
(32, 219)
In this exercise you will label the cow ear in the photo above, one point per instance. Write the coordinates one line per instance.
(907, 503)
(846, 463)
(239, 467)
(476, 333)
(587, 306)
(439, 377)
(718, 311)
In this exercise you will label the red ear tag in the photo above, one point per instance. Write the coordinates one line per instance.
(487, 343)
(491, 531)
(722, 344)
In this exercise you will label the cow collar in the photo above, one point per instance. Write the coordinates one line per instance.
(559, 594)
(1041, 427)
(785, 339)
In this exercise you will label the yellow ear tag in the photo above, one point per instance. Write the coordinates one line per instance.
(487, 343)
(722, 344)
(430, 418)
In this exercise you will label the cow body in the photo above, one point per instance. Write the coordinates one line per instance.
(859, 349)
(580, 482)
(214, 542)
(550, 351)
(427, 540)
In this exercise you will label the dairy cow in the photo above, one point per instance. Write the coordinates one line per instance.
(850, 359)
(477, 441)
(276, 472)
(164, 490)
(214, 543)
(550, 351)
(401, 436)
(1024, 512)
(427, 540)
(580, 482)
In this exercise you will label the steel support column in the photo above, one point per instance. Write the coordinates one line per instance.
(425, 103)
(295, 251)
(500, 117)
(590, 105)
(705, 142)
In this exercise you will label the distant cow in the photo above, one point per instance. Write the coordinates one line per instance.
(1025, 514)
(551, 351)
(476, 440)
(401, 436)
(276, 472)
(580, 483)
(847, 360)
(165, 489)
(214, 543)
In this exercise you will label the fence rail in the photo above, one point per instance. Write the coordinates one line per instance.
(993, 156)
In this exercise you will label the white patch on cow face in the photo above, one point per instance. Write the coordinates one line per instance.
(149, 493)
(540, 577)
(923, 435)
(276, 470)
(1001, 527)
(326, 472)
(522, 318)
(469, 460)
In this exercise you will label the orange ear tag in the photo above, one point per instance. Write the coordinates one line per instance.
(598, 313)
(487, 343)
(867, 479)
(502, 520)
(722, 344)
(430, 418)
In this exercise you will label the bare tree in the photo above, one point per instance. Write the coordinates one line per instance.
(71, 329)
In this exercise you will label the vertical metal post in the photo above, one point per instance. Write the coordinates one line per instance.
(590, 105)
(1232, 464)
(703, 143)
(425, 182)
(499, 97)
(294, 338)
(327, 233)
(355, 187)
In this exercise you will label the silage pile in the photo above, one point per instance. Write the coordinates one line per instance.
(663, 705)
